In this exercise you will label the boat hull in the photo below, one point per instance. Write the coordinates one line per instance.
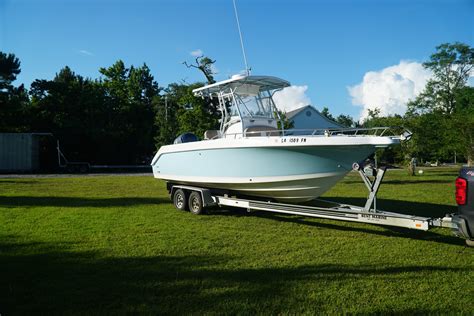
(286, 174)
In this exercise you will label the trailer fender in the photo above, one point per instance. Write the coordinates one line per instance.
(207, 199)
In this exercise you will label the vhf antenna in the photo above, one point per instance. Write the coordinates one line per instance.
(247, 70)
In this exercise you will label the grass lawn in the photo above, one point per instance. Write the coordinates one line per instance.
(115, 244)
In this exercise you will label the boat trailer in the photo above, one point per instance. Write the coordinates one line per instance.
(197, 199)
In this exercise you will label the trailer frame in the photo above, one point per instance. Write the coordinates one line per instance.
(368, 214)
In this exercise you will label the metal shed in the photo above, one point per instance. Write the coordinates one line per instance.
(19, 152)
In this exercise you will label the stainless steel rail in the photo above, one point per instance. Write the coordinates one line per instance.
(389, 131)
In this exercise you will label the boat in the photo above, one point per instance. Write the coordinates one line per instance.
(250, 155)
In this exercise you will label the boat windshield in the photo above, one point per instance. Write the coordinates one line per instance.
(260, 105)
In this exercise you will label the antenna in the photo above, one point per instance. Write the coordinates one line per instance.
(247, 70)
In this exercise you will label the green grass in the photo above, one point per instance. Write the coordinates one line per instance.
(108, 245)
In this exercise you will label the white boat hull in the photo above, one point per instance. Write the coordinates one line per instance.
(299, 189)
(267, 167)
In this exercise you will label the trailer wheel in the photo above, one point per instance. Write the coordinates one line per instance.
(195, 203)
(470, 243)
(179, 200)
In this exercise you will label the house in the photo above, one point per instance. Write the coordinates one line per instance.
(308, 118)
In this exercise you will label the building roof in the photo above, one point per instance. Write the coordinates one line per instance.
(291, 114)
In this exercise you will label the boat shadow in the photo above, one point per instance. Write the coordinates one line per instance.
(404, 207)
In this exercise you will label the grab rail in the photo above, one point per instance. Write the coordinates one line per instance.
(395, 132)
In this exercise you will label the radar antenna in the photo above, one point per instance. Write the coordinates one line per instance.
(247, 69)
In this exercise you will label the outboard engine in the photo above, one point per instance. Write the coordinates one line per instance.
(186, 138)
(465, 200)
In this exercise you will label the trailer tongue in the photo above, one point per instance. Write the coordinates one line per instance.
(196, 199)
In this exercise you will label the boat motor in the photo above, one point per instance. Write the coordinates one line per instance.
(186, 138)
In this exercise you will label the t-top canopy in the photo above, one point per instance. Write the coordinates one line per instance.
(263, 82)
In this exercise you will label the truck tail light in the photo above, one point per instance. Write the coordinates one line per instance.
(461, 191)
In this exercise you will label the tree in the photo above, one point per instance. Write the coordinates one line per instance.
(71, 107)
(106, 121)
(184, 112)
(205, 65)
(9, 69)
(346, 120)
(463, 124)
(396, 154)
(287, 123)
(13, 100)
(325, 113)
(131, 97)
(166, 122)
(451, 65)
(440, 110)
(431, 136)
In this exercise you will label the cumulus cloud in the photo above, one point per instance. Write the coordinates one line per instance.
(390, 88)
(85, 52)
(196, 53)
(291, 98)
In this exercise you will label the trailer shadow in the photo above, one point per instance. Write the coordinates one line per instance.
(388, 231)
(65, 201)
(399, 206)
(58, 279)
(398, 182)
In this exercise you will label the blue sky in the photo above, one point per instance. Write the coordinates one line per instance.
(327, 46)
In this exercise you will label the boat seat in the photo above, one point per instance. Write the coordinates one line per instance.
(211, 134)
(256, 131)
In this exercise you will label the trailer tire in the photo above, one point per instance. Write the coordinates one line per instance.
(470, 243)
(180, 200)
(195, 203)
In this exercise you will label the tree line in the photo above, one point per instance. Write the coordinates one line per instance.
(119, 118)
(123, 116)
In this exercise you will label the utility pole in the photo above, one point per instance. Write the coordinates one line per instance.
(166, 108)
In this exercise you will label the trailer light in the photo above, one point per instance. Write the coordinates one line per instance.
(461, 191)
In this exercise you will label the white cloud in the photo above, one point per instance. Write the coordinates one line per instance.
(291, 98)
(196, 53)
(85, 52)
(390, 88)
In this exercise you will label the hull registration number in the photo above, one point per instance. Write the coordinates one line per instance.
(294, 140)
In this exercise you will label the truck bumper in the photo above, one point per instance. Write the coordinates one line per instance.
(461, 227)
